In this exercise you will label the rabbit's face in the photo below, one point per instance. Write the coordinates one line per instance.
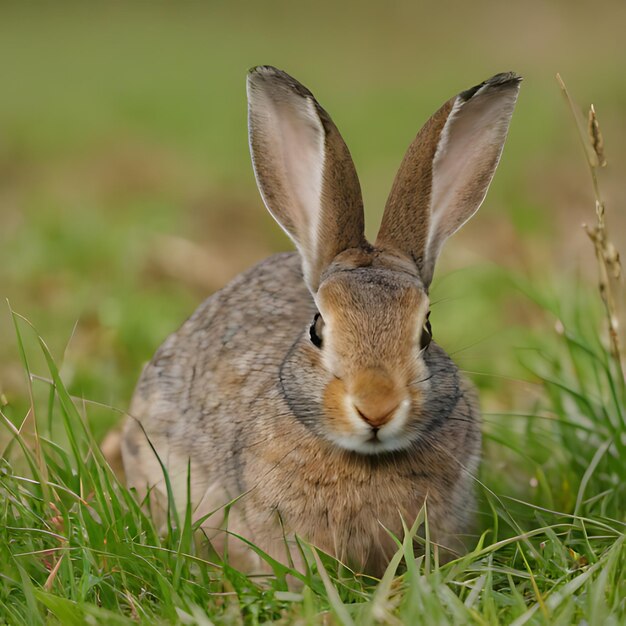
(371, 336)
(369, 372)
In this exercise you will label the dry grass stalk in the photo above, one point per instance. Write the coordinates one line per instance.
(609, 265)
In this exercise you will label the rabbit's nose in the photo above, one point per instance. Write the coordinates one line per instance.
(375, 419)
(375, 397)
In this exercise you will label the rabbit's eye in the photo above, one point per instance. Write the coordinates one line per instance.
(427, 333)
(315, 332)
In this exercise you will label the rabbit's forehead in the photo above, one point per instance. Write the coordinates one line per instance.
(374, 296)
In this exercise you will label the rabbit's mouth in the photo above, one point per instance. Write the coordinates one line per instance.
(374, 436)
(353, 431)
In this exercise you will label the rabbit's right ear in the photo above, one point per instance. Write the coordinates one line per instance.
(303, 170)
(446, 171)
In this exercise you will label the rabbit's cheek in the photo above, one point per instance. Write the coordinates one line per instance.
(418, 400)
(336, 418)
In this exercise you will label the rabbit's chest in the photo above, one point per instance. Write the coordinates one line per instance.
(351, 518)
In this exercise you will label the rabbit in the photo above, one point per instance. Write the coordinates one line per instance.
(308, 392)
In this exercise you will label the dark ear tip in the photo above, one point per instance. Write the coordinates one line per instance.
(264, 74)
(276, 80)
(263, 70)
(504, 80)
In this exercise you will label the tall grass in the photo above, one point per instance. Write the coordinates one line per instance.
(76, 547)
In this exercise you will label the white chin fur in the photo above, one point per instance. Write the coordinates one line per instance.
(389, 438)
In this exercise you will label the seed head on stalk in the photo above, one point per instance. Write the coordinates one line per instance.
(607, 256)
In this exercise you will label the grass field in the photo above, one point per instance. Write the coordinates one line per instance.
(127, 196)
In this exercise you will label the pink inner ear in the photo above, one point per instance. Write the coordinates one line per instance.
(302, 149)
(466, 158)
(288, 153)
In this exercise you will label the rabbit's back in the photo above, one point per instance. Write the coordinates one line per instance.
(195, 399)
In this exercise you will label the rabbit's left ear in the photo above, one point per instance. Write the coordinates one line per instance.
(447, 170)
(303, 170)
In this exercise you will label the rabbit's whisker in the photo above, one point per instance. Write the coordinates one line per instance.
(421, 380)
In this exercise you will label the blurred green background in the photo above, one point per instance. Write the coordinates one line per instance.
(127, 195)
